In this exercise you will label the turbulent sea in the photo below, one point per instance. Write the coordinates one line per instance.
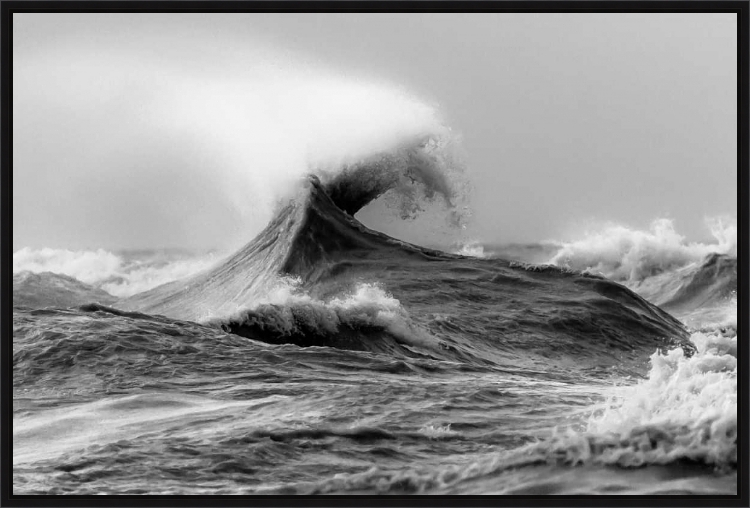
(324, 357)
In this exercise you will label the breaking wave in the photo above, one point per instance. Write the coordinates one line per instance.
(686, 409)
(685, 412)
(314, 228)
(364, 319)
(117, 274)
(631, 255)
(322, 329)
(341, 268)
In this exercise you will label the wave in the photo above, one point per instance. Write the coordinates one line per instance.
(685, 411)
(472, 249)
(118, 274)
(309, 234)
(683, 416)
(687, 407)
(703, 286)
(353, 285)
(258, 127)
(368, 319)
(629, 255)
(696, 282)
(96, 350)
(48, 289)
(532, 253)
(125, 351)
(415, 171)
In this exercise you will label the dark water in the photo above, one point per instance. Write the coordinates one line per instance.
(368, 365)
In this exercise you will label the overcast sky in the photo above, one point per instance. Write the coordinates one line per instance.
(122, 123)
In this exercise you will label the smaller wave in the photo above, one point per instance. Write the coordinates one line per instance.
(472, 249)
(700, 294)
(47, 289)
(438, 432)
(629, 255)
(350, 321)
(121, 275)
(685, 410)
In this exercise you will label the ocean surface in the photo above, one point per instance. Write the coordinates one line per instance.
(325, 357)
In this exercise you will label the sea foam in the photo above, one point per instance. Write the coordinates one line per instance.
(630, 255)
(235, 140)
(117, 274)
(685, 410)
(287, 309)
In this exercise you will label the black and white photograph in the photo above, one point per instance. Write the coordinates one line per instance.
(362, 253)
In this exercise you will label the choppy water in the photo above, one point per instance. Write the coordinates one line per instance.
(325, 357)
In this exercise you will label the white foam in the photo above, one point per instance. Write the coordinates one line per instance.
(437, 432)
(687, 408)
(245, 131)
(716, 317)
(626, 254)
(114, 273)
(472, 249)
(368, 304)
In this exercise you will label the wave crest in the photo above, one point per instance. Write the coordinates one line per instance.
(631, 255)
(686, 409)
(417, 173)
(353, 320)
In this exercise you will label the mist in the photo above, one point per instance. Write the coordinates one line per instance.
(153, 131)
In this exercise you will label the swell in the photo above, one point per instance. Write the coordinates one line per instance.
(712, 283)
(699, 287)
(631, 256)
(306, 238)
(488, 310)
(49, 289)
(373, 326)
(137, 369)
(93, 350)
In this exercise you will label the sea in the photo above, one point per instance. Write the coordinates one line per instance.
(326, 357)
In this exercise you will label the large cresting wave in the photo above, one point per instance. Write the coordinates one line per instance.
(313, 230)
(356, 288)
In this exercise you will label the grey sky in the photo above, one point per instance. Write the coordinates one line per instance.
(566, 119)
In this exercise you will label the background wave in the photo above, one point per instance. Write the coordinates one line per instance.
(630, 255)
(119, 274)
